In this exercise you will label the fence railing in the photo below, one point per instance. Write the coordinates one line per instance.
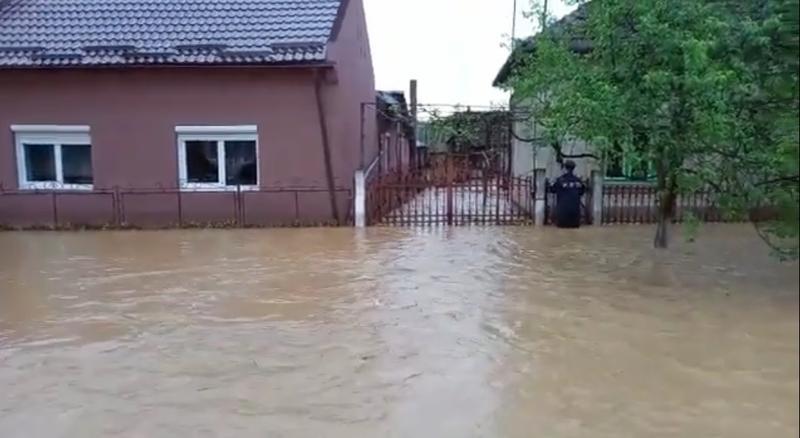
(171, 207)
(628, 203)
(410, 201)
(639, 204)
(454, 189)
(393, 163)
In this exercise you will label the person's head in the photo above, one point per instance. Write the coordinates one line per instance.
(569, 165)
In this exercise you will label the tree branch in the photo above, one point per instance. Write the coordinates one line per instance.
(785, 253)
(785, 179)
(560, 156)
(584, 155)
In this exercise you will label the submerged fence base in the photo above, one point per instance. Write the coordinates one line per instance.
(473, 202)
(413, 198)
(638, 203)
(168, 208)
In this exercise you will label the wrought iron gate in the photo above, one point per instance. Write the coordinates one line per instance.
(451, 189)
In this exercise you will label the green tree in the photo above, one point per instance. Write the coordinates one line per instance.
(704, 90)
(760, 47)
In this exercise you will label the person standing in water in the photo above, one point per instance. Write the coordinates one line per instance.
(568, 189)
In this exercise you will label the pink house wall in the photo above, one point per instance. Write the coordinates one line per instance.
(350, 50)
(132, 114)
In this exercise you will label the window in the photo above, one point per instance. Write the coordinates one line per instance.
(222, 157)
(615, 167)
(54, 157)
(620, 165)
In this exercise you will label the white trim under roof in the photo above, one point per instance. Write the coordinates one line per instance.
(205, 129)
(50, 128)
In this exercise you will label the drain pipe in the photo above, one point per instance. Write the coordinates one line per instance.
(360, 199)
(539, 202)
(326, 149)
(597, 197)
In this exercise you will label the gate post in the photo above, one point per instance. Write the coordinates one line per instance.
(360, 200)
(448, 166)
(541, 193)
(597, 197)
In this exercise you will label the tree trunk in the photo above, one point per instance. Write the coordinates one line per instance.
(662, 232)
(666, 209)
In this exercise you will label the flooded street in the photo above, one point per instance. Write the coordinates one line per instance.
(449, 332)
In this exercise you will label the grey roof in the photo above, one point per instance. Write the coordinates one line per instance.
(123, 32)
(394, 97)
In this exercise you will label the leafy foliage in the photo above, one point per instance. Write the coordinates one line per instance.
(471, 131)
(706, 90)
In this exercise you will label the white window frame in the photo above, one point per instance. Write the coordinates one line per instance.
(219, 134)
(58, 136)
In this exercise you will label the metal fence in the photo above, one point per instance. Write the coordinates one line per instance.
(412, 201)
(452, 189)
(639, 204)
(171, 207)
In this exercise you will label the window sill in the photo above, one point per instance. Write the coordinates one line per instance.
(626, 181)
(189, 187)
(44, 186)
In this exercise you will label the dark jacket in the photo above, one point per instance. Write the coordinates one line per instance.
(568, 189)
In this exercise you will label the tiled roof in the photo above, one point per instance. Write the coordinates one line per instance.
(120, 32)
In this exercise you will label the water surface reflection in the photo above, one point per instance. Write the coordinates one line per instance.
(492, 332)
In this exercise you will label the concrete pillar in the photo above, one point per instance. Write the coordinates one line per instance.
(541, 193)
(597, 197)
(360, 200)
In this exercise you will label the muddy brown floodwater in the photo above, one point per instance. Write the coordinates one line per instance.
(460, 332)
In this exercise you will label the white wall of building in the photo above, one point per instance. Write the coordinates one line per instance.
(529, 156)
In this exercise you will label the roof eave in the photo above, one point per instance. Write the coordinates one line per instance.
(274, 65)
(337, 23)
(527, 45)
(522, 48)
(502, 76)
